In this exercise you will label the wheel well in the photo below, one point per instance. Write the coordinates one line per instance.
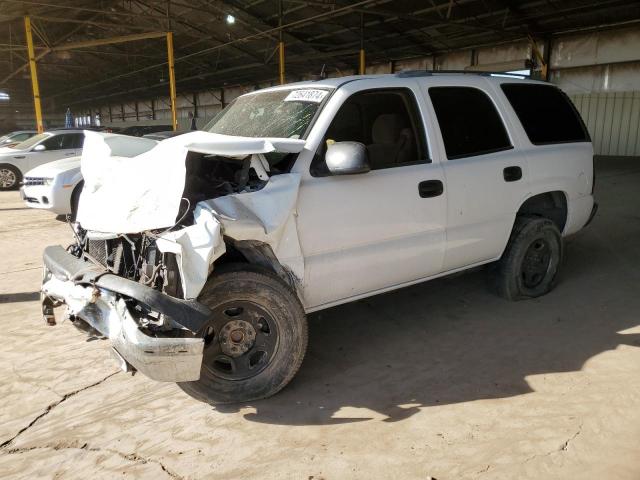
(255, 252)
(76, 191)
(551, 205)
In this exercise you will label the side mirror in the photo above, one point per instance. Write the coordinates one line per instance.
(39, 148)
(347, 158)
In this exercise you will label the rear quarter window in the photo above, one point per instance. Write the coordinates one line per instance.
(546, 113)
(469, 122)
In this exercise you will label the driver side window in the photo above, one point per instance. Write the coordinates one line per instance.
(386, 121)
(53, 143)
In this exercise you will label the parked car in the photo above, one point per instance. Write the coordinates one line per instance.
(200, 259)
(56, 186)
(140, 130)
(16, 137)
(46, 147)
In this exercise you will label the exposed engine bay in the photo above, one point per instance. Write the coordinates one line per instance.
(137, 256)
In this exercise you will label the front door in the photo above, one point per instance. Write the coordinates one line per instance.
(56, 147)
(368, 232)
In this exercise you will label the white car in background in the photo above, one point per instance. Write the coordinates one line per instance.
(56, 186)
(46, 147)
(16, 137)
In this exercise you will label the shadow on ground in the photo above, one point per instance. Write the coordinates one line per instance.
(19, 297)
(450, 340)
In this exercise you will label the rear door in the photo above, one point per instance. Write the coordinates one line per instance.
(486, 175)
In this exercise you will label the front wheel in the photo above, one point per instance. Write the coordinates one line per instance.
(256, 341)
(530, 264)
(10, 177)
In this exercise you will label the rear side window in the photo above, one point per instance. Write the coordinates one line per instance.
(546, 113)
(469, 122)
(72, 140)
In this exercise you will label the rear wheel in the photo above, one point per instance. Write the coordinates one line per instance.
(256, 341)
(10, 177)
(530, 264)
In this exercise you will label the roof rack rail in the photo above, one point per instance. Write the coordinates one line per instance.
(427, 73)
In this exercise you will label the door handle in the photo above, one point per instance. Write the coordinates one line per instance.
(430, 188)
(70, 154)
(19, 157)
(512, 174)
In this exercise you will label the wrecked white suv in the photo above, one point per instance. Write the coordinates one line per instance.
(200, 257)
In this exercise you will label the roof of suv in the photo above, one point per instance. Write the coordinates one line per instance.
(423, 74)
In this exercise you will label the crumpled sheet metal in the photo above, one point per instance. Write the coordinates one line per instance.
(196, 248)
(266, 215)
(143, 192)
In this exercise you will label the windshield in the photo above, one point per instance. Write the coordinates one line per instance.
(30, 142)
(280, 114)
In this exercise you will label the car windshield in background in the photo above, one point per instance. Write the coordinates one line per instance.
(30, 142)
(279, 114)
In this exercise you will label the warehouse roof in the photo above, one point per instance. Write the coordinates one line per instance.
(231, 42)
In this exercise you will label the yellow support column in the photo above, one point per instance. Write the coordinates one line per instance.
(172, 81)
(281, 62)
(362, 66)
(280, 45)
(34, 75)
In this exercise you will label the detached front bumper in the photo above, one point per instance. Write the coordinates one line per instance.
(99, 298)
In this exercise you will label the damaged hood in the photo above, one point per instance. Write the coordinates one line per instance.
(126, 193)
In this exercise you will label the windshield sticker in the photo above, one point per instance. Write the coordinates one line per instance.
(306, 95)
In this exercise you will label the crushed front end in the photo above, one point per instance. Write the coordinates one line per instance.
(113, 292)
(148, 233)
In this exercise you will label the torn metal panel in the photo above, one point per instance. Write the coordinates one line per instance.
(267, 215)
(259, 215)
(196, 248)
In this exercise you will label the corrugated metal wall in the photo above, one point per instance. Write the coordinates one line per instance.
(613, 120)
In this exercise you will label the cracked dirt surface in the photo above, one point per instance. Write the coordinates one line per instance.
(441, 379)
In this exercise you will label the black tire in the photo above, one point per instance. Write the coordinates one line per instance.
(239, 295)
(10, 177)
(530, 264)
(75, 200)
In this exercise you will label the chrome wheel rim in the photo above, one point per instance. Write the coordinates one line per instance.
(7, 178)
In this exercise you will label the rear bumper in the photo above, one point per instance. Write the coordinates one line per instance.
(102, 301)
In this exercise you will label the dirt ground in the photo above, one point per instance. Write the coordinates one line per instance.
(439, 380)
